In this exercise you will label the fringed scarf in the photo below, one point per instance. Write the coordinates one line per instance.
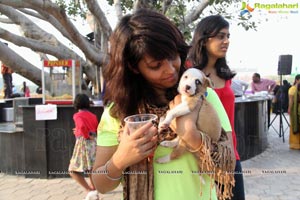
(218, 160)
(139, 178)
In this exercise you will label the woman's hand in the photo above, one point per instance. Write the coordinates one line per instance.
(136, 146)
(115, 159)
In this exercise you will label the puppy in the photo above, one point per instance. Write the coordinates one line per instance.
(192, 88)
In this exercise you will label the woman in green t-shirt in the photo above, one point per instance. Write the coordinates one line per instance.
(147, 55)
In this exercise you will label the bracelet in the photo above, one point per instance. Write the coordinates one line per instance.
(189, 149)
(194, 150)
(106, 173)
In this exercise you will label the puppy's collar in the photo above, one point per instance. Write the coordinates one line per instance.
(204, 95)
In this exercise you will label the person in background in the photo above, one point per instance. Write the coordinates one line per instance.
(14, 89)
(280, 100)
(285, 95)
(84, 152)
(239, 87)
(293, 110)
(39, 90)
(147, 56)
(208, 53)
(7, 79)
(14, 92)
(259, 84)
(25, 90)
(276, 100)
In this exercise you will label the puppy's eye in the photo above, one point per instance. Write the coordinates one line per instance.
(185, 76)
(197, 81)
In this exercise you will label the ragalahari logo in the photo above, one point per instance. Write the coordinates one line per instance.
(271, 8)
(245, 9)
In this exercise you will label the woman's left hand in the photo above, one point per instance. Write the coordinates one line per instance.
(135, 146)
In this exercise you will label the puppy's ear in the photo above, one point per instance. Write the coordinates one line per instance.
(208, 82)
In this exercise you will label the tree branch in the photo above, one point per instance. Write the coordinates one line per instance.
(194, 14)
(6, 21)
(89, 50)
(118, 9)
(16, 62)
(166, 5)
(33, 14)
(99, 16)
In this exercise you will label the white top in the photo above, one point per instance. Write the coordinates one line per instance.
(239, 87)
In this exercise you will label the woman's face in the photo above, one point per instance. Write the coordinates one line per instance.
(161, 74)
(217, 46)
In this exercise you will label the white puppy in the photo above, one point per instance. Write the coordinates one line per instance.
(192, 87)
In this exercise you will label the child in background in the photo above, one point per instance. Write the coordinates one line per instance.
(25, 90)
(85, 147)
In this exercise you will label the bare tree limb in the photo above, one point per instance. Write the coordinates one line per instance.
(11, 59)
(5, 20)
(34, 32)
(102, 27)
(89, 50)
(31, 13)
(99, 16)
(194, 14)
(118, 9)
(166, 5)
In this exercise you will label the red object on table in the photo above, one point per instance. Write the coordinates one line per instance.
(59, 102)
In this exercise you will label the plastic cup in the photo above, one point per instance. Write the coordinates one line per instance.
(134, 122)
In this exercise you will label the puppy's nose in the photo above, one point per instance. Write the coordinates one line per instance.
(187, 87)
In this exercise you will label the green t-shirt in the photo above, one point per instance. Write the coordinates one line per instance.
(178, 179)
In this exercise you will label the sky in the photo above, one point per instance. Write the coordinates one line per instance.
(249, 51)
(259, 51)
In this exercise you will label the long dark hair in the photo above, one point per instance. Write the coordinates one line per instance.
(297, 77)
(24, 87)
(138, 34)
(209, 27)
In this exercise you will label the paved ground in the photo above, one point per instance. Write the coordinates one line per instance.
(272, 175)
(275, 173)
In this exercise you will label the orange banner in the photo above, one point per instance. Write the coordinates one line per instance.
(53, 63)
(58, 63)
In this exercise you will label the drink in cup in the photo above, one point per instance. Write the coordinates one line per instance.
(134, 122)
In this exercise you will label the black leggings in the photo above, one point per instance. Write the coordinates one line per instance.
(238, 190)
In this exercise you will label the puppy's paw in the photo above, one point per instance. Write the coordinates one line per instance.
(164, 123)
(168, 143)
(162, 127)
(92, 195)
(164, 159)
